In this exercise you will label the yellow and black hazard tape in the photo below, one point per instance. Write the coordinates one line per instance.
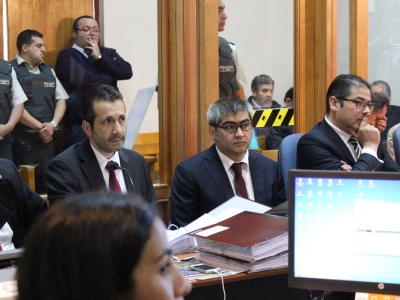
(273, 117)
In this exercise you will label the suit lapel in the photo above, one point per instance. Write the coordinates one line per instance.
(124, 163)
(90, 167)
(215, 168)
(336, 140)
(257, 177)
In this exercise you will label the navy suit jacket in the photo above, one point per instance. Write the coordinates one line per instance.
(323, 149)
(77, 73)
(76, 170)
(19, 205)
(200, 184)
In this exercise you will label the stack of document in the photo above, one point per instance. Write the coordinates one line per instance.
(179, 240)
(247, 237)
(271, 263)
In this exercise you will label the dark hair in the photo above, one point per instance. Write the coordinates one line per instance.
(227, 106)
(260, 80)
(379, 100)
(341, 87)
(76, 21)
(289, 94)
(386, 90)
(25, 38)
(99, 92)
(85, 247)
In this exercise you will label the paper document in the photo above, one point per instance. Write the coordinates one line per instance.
(136, 114)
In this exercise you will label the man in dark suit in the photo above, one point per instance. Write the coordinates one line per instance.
(206, 180)
(393, 112)
(328, 146)
(82, 66)
(82, 167)
(19, 206)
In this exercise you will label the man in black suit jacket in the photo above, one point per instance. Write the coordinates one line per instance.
(81, 168)
(326, 146)
(19, 205)
(204, 181)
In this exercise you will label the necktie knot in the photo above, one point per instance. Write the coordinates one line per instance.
(237, 168)
(113, 183)
(354, 142)
(88, 53)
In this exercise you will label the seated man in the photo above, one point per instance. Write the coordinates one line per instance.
(100, 162)
(393, 113)
(19, 206)
(345, 135)
(278, 133)
(206, 180)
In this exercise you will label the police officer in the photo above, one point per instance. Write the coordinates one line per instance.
(43, 110)
(231, 75)
(12, 99)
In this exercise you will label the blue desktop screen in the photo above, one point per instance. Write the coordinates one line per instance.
(346, 226)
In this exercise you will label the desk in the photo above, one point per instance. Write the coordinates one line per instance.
(260, 285)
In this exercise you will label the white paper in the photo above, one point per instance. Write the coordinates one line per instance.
(136, 114)
(212, 230)
(240, 204)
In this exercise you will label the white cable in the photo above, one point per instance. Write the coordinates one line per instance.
(222, 281)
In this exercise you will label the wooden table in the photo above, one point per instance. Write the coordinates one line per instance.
(260, 285)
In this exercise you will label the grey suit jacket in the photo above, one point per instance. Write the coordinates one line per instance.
(200, 184)
(76, 170)
(323, 149)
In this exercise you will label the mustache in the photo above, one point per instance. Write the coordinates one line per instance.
(116, 137)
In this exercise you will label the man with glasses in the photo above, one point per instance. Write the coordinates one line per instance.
(345, 138)
(206, 180)
(82, 66)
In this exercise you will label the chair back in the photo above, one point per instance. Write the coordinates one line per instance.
(287, 156)
(396, 144)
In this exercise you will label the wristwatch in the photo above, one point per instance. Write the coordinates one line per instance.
(98, 57)
(54, 124)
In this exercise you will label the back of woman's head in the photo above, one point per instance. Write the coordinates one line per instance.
(85, 247)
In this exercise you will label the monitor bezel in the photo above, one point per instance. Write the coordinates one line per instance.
(329, 284)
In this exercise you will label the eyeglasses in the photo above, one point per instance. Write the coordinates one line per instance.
(87, 30)
(361, 105)
(233, 127)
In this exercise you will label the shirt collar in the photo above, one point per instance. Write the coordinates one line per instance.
(102, 160)
(343, 135)
(227, 162)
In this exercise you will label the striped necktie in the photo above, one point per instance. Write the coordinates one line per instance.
(354, 142)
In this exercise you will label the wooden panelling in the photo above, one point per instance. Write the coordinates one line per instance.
(315, 59)
(359, 38)
(51, 18)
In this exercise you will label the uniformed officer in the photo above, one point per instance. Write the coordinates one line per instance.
(232, 78)
(44, 109)
(12, 99)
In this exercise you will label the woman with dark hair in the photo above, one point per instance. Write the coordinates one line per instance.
(99, 246)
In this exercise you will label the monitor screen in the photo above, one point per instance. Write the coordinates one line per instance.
(344, 231)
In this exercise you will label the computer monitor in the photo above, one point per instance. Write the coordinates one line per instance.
(344, 231)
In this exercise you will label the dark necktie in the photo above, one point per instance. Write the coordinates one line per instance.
(88, 53)
(113, 183)
(354, 142)
(240, 185)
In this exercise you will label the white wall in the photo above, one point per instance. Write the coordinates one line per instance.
(130, 27)
(261, 29)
